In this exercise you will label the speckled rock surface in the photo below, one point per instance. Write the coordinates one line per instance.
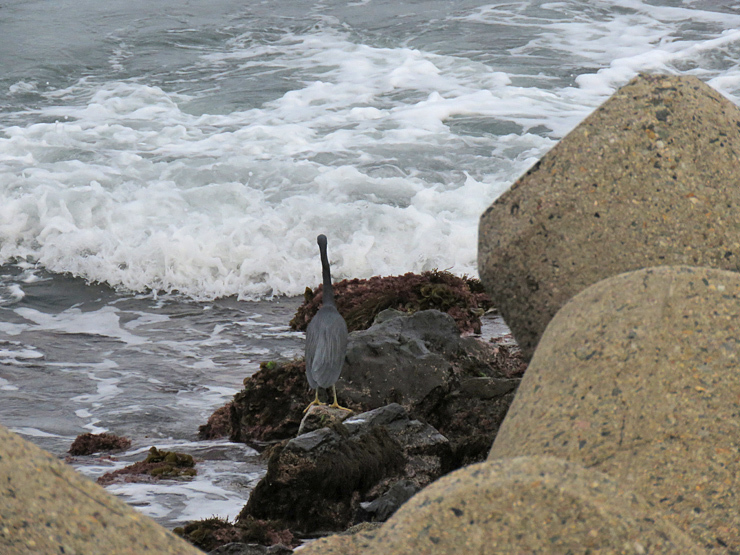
(648, 179)
(638, 376)
(46, 507)
(521, 505)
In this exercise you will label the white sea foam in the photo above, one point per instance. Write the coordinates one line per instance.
(392, 151)
(103, 322)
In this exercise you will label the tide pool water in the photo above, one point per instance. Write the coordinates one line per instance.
(165, 168)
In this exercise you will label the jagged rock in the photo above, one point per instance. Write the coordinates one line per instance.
(317, 481)
(270, 407)
(252, 535)
(419, 361)
(384, 506)
(87, 444)
(637, 376)
(218, 425)
(322, 416)
(402, 360)
(520, 505)
(422, 362)
(648, 179)
(47, 507)
(158, 464)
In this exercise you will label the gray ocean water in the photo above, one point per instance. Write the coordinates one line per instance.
(166, 166)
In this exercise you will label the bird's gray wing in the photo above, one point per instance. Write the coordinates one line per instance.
(326, 346)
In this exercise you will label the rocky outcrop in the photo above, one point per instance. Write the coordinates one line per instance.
(217, 535)
(519, 505)
(419, 361)
(359, 301)
(637, 377)
(325, 479)
(46, 507)
(648, 179)
(270, 407)
(157, 465)
(87, 444)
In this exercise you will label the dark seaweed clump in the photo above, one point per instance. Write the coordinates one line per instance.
(360, 300)
(210, 533)
(158, 464)
(87, 444)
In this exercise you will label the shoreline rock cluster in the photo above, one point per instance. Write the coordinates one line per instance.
(609, 260)
(426, 400)
(614, 261)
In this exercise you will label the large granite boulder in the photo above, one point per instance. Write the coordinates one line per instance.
(520, 505)
(329, 478)
(46, 507)
(638, 377)
(648, 179)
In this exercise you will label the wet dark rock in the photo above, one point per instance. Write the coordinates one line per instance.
(218, 425)
(270, 407)
(422, 362)
(158, 464)
(384, 506)
(361, 300)
(317, 481)
(419, 361)
(322, 416)
(250, 549)
(87, 444)
(212, 534)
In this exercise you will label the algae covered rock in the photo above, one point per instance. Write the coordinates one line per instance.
(648, 179)
(419, 361)
(158, 464)
(213, 533)
(638, 377)
(316, 481)
(270, 407)
(87, 444)
(359, 301)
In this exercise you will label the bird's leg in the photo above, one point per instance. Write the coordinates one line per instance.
(316, 402)
(335, 404)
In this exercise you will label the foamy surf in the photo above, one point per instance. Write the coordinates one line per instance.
(392, 151)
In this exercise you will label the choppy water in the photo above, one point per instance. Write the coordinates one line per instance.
(197, 149)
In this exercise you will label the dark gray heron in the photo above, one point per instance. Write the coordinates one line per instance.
(326, 338)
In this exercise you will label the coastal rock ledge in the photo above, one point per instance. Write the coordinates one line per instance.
(648, 179)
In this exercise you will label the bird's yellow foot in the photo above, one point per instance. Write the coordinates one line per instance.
(315, 402)
(336, 405)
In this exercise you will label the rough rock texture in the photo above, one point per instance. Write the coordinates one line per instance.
(218, 425)
(87, 444)
(360, 300)
(520, 505)
(322, 416)
(46, 507)
(419, 361)
(270, 407)
(638, 376)
(210, 534)
(158, 464)
(402, 360)
(648, 179)
(316, 481)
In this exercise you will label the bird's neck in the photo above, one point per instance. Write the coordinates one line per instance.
(328, 295)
